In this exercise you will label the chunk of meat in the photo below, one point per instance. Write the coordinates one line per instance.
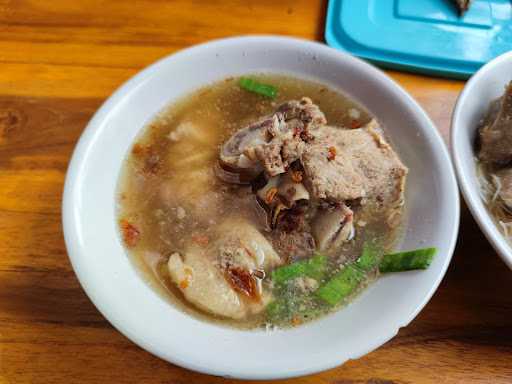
(333, 226)
(294, 245)
(292, 237)
(237, 154)
(364, 166)
(241, 245)
(496, 135)
(204, 285)
(274, 142)
(224, 278)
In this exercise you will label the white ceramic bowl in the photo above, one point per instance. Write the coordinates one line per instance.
(485, 86)
(118, 291)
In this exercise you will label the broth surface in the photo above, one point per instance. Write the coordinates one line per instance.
(168, 193)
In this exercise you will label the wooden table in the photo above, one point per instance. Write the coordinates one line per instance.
(59, 60)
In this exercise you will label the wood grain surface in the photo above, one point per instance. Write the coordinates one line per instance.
(59, 60)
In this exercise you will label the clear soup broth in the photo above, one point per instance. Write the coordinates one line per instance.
(170, 201)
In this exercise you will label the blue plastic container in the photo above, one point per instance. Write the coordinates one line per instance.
(425, 36)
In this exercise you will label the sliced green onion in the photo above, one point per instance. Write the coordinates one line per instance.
(284, 309)
(277, 310)
(369, 259)
(407, 261)
(254, 86)
(313, 267)
(341, 285)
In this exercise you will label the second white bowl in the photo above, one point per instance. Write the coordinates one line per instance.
(472, 105)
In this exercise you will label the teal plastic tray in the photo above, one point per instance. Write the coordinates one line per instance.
(425, 36)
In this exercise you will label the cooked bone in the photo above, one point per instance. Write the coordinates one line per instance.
(291, 190)
(284, 186)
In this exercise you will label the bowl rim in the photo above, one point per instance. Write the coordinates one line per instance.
(471, 195)
(94, 125)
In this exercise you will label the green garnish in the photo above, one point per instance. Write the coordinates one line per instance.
(289, 306)
(313, 267)
(293, 307)
(277, 310)
(369, 259)
(407, 261)
(252, 85)
(346, 281)
(341, 285)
